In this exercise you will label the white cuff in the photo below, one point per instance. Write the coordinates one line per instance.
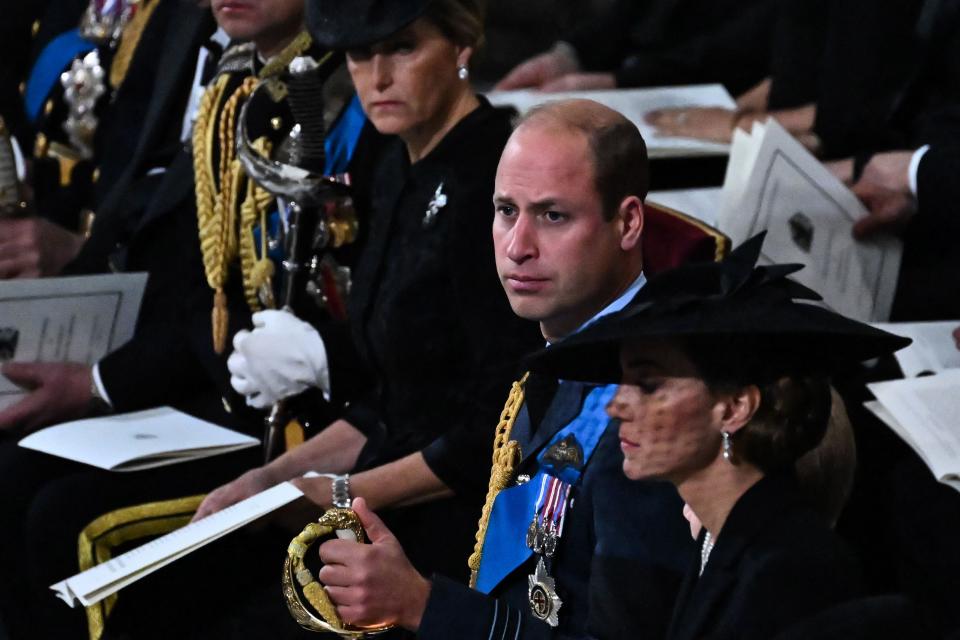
(95, 372)
(914, 167)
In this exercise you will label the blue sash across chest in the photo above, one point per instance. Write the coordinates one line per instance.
(51, 62)
(505, 547)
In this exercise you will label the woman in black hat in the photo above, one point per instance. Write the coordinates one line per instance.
(723, 387)
(428, 319)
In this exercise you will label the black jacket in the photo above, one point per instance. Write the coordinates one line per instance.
(775, 562)
(427, 314)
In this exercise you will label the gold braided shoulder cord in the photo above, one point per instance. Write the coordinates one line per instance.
(217, 209)
(206, 189)
(218, 196)
(506, 456)
(257, 271)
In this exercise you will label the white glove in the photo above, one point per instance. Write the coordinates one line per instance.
(281, 357)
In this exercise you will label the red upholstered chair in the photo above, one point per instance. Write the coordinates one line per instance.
(671, 238)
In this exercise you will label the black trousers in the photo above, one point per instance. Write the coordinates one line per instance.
(45, 504)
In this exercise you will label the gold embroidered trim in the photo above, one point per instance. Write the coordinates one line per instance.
(98, 539)
(506, 457)
(129, 40)
(721, 242)
(218, 195)
(257, 271)
(279, 62)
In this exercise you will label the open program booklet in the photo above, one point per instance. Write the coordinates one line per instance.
(925, 412)
(139, 440)
(72, 319)
(773, 183)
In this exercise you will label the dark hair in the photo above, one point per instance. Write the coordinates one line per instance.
(619, 152)
(459, 20)
(794, 408)
(619, 164)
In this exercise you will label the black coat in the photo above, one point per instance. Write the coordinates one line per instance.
(930, 270)
(774, 563)
(616, 529)
(428, 316)
(886, 69)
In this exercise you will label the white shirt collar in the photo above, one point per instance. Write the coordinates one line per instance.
(619, 303)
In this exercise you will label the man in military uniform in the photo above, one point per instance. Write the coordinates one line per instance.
(84, 99)
(171, 359)
(559, 514)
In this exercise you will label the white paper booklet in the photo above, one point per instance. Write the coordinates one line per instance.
(702, 203)
(773, 183)
(105, 579)
(933, 347)
(635, 104)
(925, 412)
(76, 319)
(139, 440)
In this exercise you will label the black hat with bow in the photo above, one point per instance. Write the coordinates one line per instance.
(734, 305)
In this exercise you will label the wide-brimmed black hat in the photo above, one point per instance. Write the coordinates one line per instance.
(734, 306)
(346, 24)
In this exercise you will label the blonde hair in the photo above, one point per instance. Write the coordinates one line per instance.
(460, 20)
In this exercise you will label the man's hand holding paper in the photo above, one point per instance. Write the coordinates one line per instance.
(250, 483)
(58, 391)
(33, 247)
(884, 187)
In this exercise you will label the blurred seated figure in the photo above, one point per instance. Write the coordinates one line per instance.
(633, 44)
(158, 225)
(723, 372)
(83, 102)
(860, 95)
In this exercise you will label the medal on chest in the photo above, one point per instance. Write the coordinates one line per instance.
(543, 535)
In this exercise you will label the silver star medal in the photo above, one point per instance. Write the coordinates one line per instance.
(542, 592)
(438, 202)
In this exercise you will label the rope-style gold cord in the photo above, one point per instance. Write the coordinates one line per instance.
(506, 457)
(257, 271)
(208, 222)
(219, 192)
